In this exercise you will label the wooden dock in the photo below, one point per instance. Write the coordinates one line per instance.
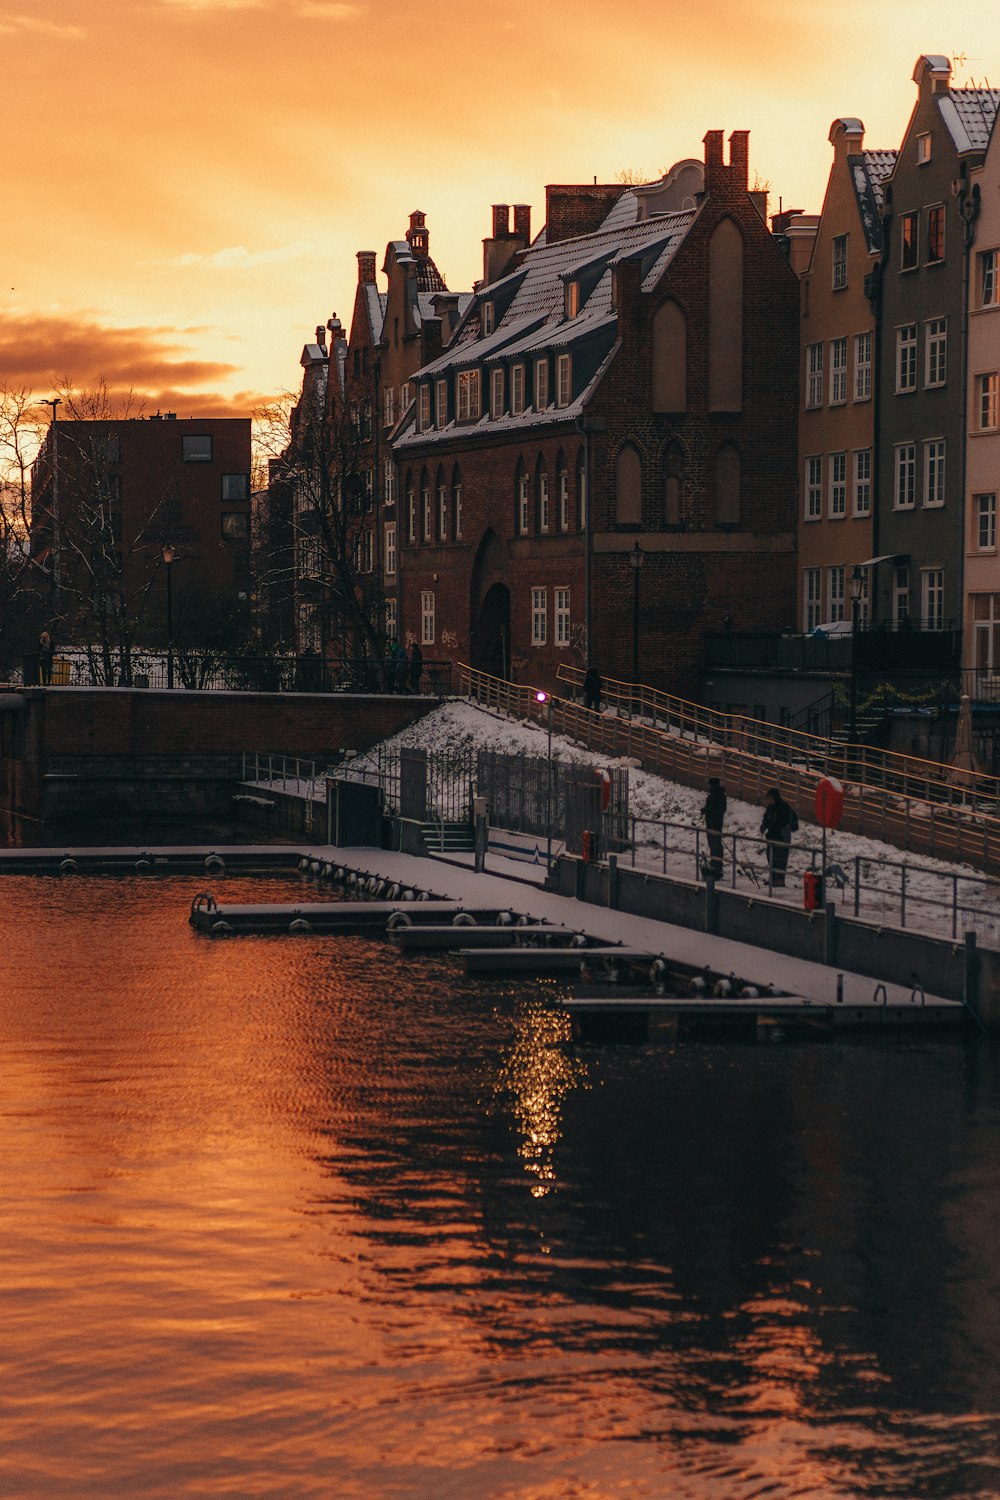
(222, 919)
(637, 1018)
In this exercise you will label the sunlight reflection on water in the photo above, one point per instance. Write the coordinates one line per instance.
(298, 1217)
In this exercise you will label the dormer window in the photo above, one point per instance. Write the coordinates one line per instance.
(572, 298)
(425, 407)
(541, 384)
(496, 393)
(923, 149)
(517, 389)
(441, 397)
(564, 380)
(487, 317)
(468, 396)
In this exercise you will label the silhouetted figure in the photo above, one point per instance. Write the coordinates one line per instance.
(592, 689)
(714, 813)
(46, 653)
(779, 823)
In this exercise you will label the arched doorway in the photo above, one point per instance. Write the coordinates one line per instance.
(493, 632)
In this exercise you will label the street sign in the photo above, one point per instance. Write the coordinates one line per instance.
(829, 802)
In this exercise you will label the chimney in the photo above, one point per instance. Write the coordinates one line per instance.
(321, 335)
(501, 220)
(416, 236)
(932, 74)
(571, 210)
(739, 160)
(366, 267)
(522, 223)
(501, 249)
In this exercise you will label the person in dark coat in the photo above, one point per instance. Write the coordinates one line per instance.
(714, 813)
(592, 686)
(416, 667)
(778, 825)
(46, 653)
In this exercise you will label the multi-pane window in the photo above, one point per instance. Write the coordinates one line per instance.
(934, 472)
(839, 262)
(388, 406)
(909, 236)
(814, 487)
(862, 366)
(487, 316)
(441, 402)
(838, 371)
(389, 481)
(368, 550)
(811, 598)
(425, 512)
(563, 500)
(906, 357)
(391, 626)
(862, 481)
(390, 548)
(496, 393)
(468, 396)
(442, 508)
(936, 351)
(988, 280)
(427, 617)
(986, 632)
(904, 493)
(539, 617)
(456, 507)
(988, 401)
(543, 501)
(564, 379)
(405, 396)
(935, 233)
(923, 148)
(814, 375)
(901, 592)
(838, 484)
(522, 504)
(411, 516)
(562, 617)
(541, 384)
(932, 598)
(517, 389)
(985, 520)
(835, 592)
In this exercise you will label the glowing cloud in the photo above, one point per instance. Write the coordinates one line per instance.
(35, 26)
(239, 258)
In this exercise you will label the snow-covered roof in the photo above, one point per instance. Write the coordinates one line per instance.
(969, 115)
(868, 170)
(375, 302)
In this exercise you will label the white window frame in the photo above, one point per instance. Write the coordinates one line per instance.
(839, 259)
(468, 396)
(904, 476)
(836, 591)
(543, 501)
(988, 278)
(541, 383)
(411, 515)
(560, 616)
(426, 517)
(389, 548)
(987, 413)
(405, 396)
(932, 598)
(814, 487)
(934, 473)
(441, 404)
(812, 598)
(564, 380)
(984, 520)
(389, 406)
(906, 358)
(391, 620)
(456, 500)
(838, 371)
(863, 366)
(901, 592)
(517, 389)
(442, 511)
(389, 481)
(487, 318)
(838, 485)
(539, 617)
(935, 352)
(427, 617)
(523, 504)
(862, 504)
(814, 376)
(563, 501)
(496, 392)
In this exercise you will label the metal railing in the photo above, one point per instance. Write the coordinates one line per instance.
(207, 672)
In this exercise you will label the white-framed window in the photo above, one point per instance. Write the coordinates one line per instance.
(411, 515)
(838, 484)
(388, 481)
(986, 633)
(901, 592)
(441, 403)
(543, 501)
(812, 598)
(456, 505)
(909, 241)
(367, 550)
(934, 472)
(987, 410)
(427, 617)
(838, 371)
(522, 504)
(906, 358)
(561, 613)
(814, 487)
(835, 592)
(427, 528)
(564, 379)
(814, 375)
(369, 483)
(389, 406)
(517, 389)
(563, 500)
(864, 598)
(932, 598)
(389, 552)
(987, 279)
(496, 392)
(862, 481)
(904, 490)
(468, 396)
(923, 148)
(985, 521)
(442, 507)
(935, 233)
(391, 620)
(839, 262)
(405, 396)
(862, 366)
(541, 384)
(487, 317)
(936, 351)
(539, 617)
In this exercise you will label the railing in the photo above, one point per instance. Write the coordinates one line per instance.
(296, 777)
(207, 672)
(689, 743)
(866, 766)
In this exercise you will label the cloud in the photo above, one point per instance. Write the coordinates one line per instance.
(310, 10)
(239, 258)
(11, 25)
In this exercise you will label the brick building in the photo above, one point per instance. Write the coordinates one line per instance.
(610, 438)
(981, 611)
(108, 494)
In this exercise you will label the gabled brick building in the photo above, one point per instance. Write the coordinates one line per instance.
(602, 465)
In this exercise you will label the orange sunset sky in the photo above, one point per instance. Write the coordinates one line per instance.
(186, 182)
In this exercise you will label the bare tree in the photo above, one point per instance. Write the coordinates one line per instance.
(22, 583)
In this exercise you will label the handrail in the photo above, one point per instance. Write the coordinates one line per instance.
(906, 775)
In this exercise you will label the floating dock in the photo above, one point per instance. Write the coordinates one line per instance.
(222, 919)
(454, 938)
(637, 1018)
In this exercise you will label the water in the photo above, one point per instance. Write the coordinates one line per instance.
(294, 1217)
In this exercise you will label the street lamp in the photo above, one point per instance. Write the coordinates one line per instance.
(167, 552)
(543, 697)
(636, 556)
(857, 583)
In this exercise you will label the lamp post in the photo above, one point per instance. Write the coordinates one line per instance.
(857, 579)
(543, 697)
(636, 557)
(168, 554)
(55, 401)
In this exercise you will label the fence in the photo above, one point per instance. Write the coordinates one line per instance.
(208, 672)
(287, 773)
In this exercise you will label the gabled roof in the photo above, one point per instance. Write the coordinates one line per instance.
(969, 115)
(868, 170)
(375, 306)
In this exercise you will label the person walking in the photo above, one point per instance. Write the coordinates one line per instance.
(46, 653)
(592, 687)
(714, 813)
(778, 825)
(416, 667)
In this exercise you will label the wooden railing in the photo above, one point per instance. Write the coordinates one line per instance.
(748, 766)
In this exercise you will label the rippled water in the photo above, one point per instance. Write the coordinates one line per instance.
(294, 1217)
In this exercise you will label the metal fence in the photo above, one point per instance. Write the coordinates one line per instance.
(207, 672)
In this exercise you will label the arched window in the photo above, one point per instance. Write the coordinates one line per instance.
(628, 488)
(521, 500)
(725, 318)
(562, 493)
(442, 506)
(456, 503)
(727, 486)
(669, 359)
(426, 520)
(673, 486)
(542, 497)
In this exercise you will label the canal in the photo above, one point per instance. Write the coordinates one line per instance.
(296, 1217)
